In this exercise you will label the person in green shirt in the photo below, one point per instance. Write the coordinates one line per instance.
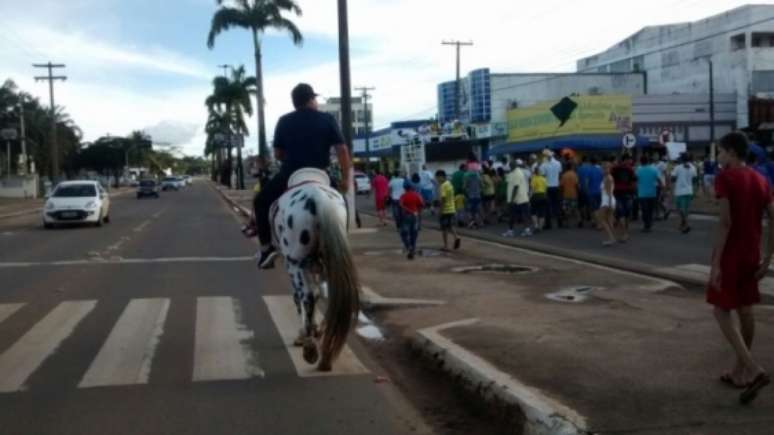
(458, 183)
(448, 209)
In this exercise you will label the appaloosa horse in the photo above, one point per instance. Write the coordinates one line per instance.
(310, 230)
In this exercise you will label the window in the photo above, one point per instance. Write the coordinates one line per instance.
(763, 40)
(738, 42)
(76, 191)
(763, 81)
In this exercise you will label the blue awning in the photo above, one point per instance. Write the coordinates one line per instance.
(575, 142)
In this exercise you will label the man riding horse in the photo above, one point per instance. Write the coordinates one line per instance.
(302, 139)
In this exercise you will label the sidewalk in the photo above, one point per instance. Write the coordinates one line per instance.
(625, 353)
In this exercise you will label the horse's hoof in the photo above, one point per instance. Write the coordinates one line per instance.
(310, 353)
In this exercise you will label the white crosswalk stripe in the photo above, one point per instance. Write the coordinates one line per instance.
(27, 354)
(126, 356)
(7, 310)
(222, 350)
(283, 311)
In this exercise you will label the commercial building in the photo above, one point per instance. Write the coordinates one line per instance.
(676, 58)
(487, 97)
(362, 115)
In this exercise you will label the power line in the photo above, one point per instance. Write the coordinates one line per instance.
(51, 78)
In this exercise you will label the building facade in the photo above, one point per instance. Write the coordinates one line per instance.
(676, 58)
(486, 98)
(362, 115)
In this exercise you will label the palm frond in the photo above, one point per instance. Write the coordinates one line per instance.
(224, 19)
(282, 23)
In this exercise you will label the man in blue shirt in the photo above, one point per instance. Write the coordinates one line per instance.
(583, 197)
(648, 182)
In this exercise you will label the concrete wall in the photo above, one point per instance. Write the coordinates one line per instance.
(19, 187)
(675, 56)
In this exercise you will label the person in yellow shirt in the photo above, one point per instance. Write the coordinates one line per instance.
(539, 199)
(448, 209)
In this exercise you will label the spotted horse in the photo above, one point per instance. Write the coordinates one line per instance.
(309, 224)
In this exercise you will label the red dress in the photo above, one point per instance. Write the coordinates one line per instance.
(381, 189)
(748, 196)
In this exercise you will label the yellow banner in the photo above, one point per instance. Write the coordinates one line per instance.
(605, 114)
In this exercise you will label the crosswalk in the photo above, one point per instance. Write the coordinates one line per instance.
(223, 350)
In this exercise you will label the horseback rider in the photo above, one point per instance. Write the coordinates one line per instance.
(302, 139)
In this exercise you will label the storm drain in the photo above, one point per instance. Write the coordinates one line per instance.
(510, 269)
(573, 295)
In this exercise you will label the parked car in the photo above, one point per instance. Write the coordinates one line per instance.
(188, 179)
(362, 184)
(172, 183)
(77, 202)
(147, 188)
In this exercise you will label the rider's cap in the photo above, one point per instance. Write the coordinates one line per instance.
(302, 94)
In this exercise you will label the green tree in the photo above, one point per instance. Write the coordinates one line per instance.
(257, 16)
(228, 105)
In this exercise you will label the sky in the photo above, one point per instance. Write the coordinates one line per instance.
(145, 65)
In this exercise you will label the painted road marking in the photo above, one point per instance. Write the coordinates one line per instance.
(222, 350)
(7, 310)
(126, 356)
(121, 261)
(283, 313)
(40, 342)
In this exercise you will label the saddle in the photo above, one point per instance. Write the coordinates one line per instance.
(299, 178)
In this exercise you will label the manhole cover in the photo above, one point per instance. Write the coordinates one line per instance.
(400, 252)
(495, 268)
(574, 295)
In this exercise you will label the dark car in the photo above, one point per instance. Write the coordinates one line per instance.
(147, 188)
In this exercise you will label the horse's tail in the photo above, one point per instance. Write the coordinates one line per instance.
(340, 274)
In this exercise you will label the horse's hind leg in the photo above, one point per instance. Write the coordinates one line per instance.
(306, 301)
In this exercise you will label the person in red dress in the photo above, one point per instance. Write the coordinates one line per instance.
(737, 266)
(381, 191)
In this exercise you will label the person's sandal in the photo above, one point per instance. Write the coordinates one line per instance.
(751, 393)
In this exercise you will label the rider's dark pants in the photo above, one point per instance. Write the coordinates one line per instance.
(262, 204)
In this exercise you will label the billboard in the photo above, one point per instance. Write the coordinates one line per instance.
(604, 114)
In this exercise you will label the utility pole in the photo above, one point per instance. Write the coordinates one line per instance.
(23, 132)
(225, 69)
(712, 105)
(366, 96)
(51, 78)
(346, 99)
(457, 88)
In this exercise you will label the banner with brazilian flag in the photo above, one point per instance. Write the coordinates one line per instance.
(573, 115)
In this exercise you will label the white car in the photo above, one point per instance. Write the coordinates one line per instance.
(172, 183)
(362, 184)
(188, 180)
(77, 202)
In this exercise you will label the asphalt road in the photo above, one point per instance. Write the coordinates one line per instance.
(664, 247)
(157, 323)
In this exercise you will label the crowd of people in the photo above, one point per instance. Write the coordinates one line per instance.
(545, 191)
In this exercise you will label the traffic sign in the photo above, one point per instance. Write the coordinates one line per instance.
(629, 141)
(9, 134)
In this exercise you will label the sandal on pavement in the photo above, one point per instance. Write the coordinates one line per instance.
(754, 388)
(727, 379)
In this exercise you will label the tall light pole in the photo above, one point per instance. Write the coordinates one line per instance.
(366, 96)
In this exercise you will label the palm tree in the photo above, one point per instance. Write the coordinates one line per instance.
(256, 16)
(231, 101)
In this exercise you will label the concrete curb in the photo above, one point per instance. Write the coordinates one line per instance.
(244, 211)
(369, 298)
(627, 266)
(541, 415)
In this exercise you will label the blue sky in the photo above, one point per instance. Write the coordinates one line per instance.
(144, 64)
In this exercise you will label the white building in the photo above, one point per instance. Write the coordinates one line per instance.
(359, 113)
(675, 57)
